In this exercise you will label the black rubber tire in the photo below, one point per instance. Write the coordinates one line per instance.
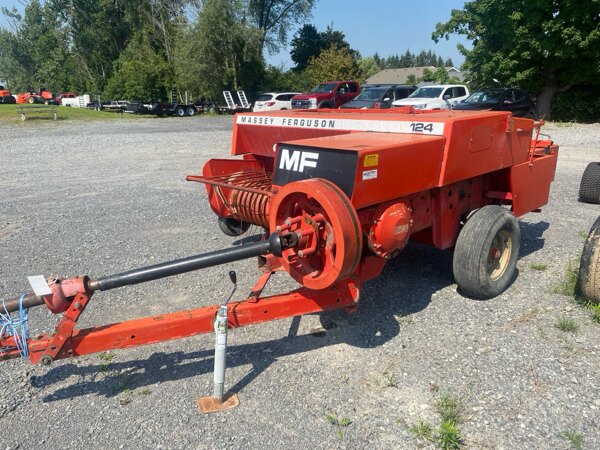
(588, 280)
(325, 105)
(233, 227)
(479, 274)
(190, 111)
(31, 100)
(180, 112)
(589, 188)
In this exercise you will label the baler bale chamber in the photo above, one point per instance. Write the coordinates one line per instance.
(339, 193)
(357, 186)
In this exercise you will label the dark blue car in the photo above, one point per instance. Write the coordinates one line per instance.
(499, 99)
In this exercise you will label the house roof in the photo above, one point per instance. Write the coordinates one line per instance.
(400, 76)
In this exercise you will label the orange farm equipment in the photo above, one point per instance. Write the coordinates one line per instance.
(5, 96)
(339, 193)
(43, 96)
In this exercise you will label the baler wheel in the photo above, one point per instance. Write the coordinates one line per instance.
(486, 252)
(589, 189)
(588, 281)
(331, 243)
(233, 227)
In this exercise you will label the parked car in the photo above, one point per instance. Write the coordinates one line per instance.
(331, 94)
(379, 96)
(499, 99)
(67, 99)
(441, 96)
(274, 101)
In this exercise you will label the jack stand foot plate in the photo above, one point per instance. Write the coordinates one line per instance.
(211, 404)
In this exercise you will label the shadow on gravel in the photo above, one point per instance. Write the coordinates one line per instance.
(532, 237)
(405, 287)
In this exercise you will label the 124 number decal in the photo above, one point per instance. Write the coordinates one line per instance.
(418, 127)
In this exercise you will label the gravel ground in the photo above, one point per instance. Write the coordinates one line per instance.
(104, 197)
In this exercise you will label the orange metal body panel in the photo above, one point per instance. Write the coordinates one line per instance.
(476, 146)
(404, 163)
(530, 182)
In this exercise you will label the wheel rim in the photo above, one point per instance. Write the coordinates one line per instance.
(331, 242)
(499, 254)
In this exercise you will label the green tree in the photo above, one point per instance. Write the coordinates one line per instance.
(368, 67)
(140, 73)
(306, 44)
(546, 46)
(220, 52)
(34, 54)
(333, 64)
(275, 17)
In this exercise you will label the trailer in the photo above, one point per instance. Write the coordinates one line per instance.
(162, 109)
(338, 193)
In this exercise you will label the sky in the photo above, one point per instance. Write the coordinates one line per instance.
(387, 27)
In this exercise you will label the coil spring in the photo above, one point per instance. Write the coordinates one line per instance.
(251, 207)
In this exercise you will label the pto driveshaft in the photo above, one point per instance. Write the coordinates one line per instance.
(274, 245)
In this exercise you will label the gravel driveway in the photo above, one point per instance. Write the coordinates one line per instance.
(104, 197)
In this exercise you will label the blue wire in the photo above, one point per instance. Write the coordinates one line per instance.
(18, 328)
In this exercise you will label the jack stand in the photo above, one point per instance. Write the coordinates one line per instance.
(220, 401)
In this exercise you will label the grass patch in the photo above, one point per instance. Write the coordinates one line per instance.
(107, 359)
(539, 266)
(9, 114)
(450, 408)
(422, 430)
(595, 310)
(339, 422)
(389, 379)
(569, 282)
(449, 437)
(582, 234)
(575, 439)
(567, 325)
(568, 287)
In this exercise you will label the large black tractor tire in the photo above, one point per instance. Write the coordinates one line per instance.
(180, 111)
(190, 111)
(486, 252)
(588, 281)
(589, 189)
(233, 227)
(31, 100)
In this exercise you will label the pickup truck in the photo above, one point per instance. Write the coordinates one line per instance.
(331, 94)
(440, 96)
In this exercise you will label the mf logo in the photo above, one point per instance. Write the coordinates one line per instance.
(297, 160)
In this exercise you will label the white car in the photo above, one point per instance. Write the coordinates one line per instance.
(273, 101)
(440, 96)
